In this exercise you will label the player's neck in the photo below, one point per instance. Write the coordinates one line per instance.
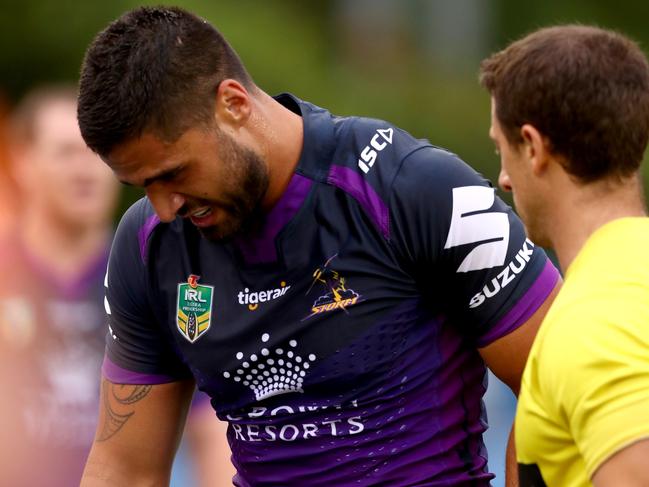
(584, 209)
(283, 135)
(62, 247)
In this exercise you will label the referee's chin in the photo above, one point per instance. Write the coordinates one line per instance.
(537, 236)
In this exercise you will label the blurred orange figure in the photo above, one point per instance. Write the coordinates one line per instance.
(7, 185)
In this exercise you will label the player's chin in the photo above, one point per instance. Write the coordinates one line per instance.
(235, 221)
(223, 231)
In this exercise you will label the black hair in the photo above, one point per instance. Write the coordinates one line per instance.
(153, 69)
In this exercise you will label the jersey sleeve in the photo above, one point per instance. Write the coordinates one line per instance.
(599, 380)
(137, 348)
(466, 248)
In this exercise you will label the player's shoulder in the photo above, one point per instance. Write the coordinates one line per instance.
(137, 214)
(135, 230)
(374, 148)
(435, 168)
(397, 158)
(387, 158)
(433, 181)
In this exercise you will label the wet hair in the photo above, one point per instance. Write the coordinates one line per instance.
(586, 89)
(153, 69)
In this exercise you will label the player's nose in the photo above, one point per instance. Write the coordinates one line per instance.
(503, 181)
(166, 204)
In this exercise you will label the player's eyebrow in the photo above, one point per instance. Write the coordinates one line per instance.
(165, 174)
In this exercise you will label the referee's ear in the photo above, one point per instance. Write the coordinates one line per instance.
(233, 104)
(536, 148)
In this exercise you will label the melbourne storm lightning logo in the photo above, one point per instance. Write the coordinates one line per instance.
(337, 294)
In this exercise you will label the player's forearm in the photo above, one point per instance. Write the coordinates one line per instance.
(138, 431)
(116, 473)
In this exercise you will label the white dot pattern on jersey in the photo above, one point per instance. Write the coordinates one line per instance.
(280, 378)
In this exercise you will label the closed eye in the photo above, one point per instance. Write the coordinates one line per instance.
(165, 176)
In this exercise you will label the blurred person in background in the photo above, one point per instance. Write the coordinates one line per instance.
(336, 286)
(52, 321)
(570, 119)
(52, 317)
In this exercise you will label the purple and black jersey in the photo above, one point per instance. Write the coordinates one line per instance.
(340, 340)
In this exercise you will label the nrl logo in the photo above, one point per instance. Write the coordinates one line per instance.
(194, 310)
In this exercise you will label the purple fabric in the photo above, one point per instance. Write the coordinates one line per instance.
(353, 183)
(261, 247)
(414, 419)
(525, 307)
(460, 385)
(201, 401)
(144, 233)
(119, 375)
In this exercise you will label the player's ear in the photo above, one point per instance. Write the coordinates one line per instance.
(233, 104)
(535, 148)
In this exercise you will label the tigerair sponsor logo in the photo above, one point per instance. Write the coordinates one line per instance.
(507, 275)
(337, 294)
(253, 298)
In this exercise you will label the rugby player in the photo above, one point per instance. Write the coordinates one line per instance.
(570, 118)
(333, 284)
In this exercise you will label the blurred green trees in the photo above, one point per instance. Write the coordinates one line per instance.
(304, 47)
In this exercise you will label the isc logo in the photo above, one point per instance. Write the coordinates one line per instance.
(376, 145)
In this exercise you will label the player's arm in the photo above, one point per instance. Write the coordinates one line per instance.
(449, 223)
(137, 434)
(627, 468)
(146, 386)
(506, 357)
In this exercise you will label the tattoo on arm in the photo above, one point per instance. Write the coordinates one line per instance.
(116, 396)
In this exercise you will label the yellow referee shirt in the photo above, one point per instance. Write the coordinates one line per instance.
(585, 390)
